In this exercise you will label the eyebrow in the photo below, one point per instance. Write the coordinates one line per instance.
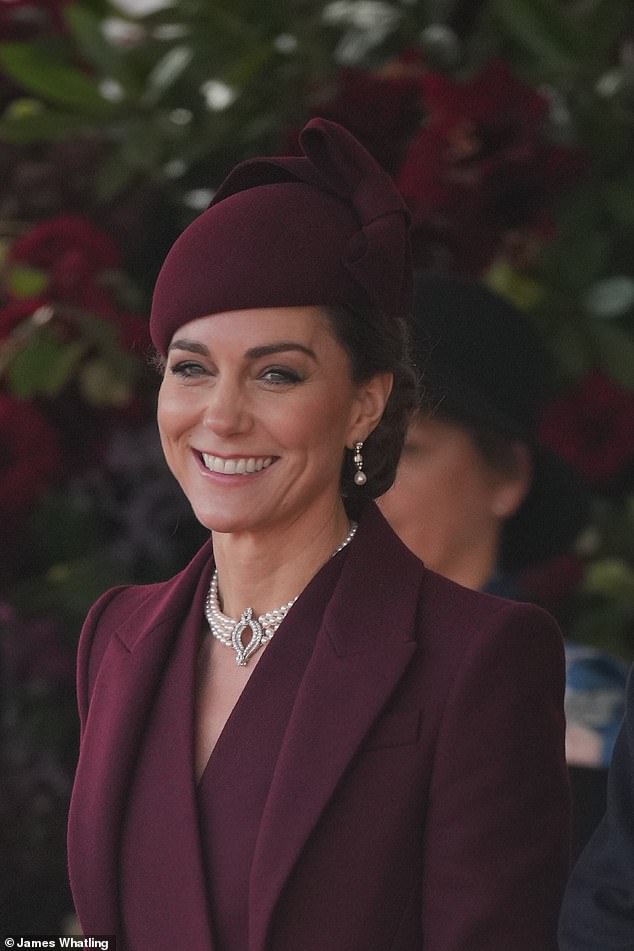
(283, 346)
(190, 345)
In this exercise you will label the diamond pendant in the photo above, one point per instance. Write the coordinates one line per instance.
(244, 651)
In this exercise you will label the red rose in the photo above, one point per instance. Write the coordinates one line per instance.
(481, 164)
(592, 426)
(30, 455)
(75, 254)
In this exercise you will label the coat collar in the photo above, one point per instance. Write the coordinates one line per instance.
(364, 644)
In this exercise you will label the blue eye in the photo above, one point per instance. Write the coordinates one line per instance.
(187, 368)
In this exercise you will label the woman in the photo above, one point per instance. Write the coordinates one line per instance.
(475, 496)
(306, 740)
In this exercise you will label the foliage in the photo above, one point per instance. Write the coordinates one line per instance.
(509, 127)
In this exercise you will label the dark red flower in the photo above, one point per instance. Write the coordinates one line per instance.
(592, 426)
(75, 254)
(25, 19)
(382, 110)
(30, 455)
(482, 165)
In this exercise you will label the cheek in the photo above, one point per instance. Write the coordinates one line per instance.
(173, 413)
(317, 426)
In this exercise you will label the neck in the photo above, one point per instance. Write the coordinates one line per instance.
(266, 569)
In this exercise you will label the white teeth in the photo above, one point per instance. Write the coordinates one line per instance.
(241, 466)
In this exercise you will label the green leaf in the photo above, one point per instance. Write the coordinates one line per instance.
(34, 68)
(41, 125)
(616, 350)
(604, 24)
(73, 586)
(87, 32)
(521, 290)
(96, 331)
(540, 27)
(43, 366)
(619, 197)
(113, 176)
(570, 351)
(66, 524)
(611, 577)
(23, 281)
(166, 72)
(102, 385)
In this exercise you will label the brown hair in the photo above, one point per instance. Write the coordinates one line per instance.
(375, 344)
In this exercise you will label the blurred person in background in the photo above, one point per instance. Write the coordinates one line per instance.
(598, 907)
(480, 501)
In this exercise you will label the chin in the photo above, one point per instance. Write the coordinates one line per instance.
(223, 523)
(225, 519)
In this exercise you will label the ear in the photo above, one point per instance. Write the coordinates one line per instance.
(372, 397)
(512, 483)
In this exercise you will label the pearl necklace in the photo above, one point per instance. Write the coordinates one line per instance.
(229, 631)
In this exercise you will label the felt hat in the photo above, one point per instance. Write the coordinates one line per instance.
(326, 227)
(482, 364)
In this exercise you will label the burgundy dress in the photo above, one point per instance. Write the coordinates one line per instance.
(234, 786)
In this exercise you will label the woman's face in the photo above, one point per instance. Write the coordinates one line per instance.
(255, 410)
(448, 503)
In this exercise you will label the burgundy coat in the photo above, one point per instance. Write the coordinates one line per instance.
(420, 799)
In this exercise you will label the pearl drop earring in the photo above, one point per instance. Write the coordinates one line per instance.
(360, 478)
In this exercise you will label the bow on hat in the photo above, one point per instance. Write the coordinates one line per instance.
(335, 162)
(323, 228)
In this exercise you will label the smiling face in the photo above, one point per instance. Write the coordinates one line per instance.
(255, 410)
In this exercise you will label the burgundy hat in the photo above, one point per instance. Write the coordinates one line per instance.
(325, 228)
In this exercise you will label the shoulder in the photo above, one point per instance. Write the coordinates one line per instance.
(130, 612)
(451, 616)
(455, 607)
(477, 638)
(457, 629)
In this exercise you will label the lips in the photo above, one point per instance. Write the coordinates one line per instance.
(240, 465)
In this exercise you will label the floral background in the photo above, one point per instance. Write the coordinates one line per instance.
(509, 128)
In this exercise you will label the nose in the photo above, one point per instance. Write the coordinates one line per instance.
(226, 412)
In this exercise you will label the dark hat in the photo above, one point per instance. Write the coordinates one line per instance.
(482, 364)
(325, 228)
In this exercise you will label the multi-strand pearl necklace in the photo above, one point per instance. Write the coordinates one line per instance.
(229, 631)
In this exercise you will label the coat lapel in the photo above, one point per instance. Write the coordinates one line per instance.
(123, 697)
(363, 647)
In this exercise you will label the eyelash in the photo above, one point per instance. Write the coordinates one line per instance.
(285, 376)
(187, 369)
